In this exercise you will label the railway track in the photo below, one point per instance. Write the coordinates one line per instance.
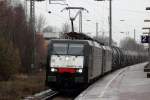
(44, 95)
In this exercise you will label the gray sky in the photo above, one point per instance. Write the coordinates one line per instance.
(132, 11)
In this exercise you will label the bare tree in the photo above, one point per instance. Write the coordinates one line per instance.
(40, 23)
(40, 50)
(9, 53)
(48, 29)
(65, 28)
(15, 29)
(130, 44)
(104, 40)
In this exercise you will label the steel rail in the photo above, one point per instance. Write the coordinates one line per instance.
(42, 95)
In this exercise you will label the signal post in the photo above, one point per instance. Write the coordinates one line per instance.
(148, 28)
(146, 39)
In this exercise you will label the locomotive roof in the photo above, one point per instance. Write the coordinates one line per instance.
(79, 36)
(89, 42)
(72, 40)
(69, 40)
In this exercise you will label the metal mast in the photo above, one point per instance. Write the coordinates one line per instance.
(80, 22)
(110, 22)
(134, 34)
(25, 7)
(96, 29)
(32, 23)
(32, 12)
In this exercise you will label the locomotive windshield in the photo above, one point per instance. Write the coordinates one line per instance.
(67, 49)
(59, 48)
(75, 49)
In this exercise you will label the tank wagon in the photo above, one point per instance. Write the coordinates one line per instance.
(74, 63)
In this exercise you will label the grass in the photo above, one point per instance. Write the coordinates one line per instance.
(22, 86)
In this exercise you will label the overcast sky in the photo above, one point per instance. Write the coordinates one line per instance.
(131, 11)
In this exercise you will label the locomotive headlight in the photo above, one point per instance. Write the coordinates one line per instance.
(79, 70)
(67, 58)
(53, 70)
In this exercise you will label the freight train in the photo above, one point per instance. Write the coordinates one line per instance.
(76, 62)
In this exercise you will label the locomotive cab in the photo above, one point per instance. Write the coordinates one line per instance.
(65, 67)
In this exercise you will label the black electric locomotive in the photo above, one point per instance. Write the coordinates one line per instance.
(75, 63)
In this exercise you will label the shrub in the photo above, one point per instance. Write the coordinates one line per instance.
(9, 59)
